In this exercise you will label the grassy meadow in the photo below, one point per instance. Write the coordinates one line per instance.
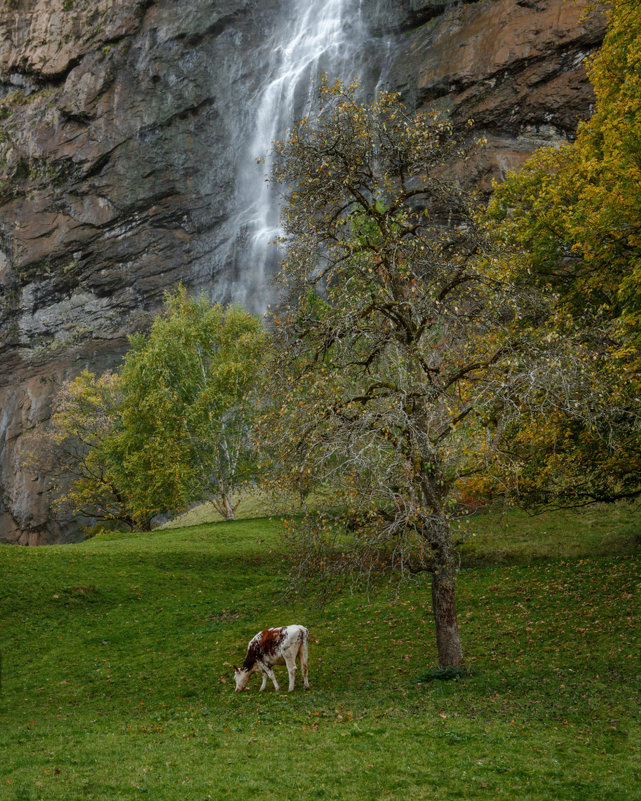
(116, 682)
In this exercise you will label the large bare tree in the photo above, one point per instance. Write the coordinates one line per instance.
(394, 341)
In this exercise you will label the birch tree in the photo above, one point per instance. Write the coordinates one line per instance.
(191, 389)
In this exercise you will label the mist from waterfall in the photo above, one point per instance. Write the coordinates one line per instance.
(316, 37)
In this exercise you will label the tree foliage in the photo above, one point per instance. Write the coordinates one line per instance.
(172, 427)
(394, 343)
(573, 214)
(191, 390)
(76, 450)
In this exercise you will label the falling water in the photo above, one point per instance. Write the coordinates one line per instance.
(318, 37)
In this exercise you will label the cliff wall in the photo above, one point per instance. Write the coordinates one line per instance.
(514, 67)
(121, 122)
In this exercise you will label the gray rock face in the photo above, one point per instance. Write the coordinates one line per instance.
(121, 125)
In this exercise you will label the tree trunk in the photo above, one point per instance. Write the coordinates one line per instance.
(448, 642)
(229, 510)
(224, 505)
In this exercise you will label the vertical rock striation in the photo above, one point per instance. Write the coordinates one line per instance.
(122, 123)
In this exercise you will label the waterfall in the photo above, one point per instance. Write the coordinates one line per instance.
(316, 37)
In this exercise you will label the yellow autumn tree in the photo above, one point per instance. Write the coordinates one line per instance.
(571, 220)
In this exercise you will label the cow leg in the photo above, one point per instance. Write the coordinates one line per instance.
(269, 672)
(302, 658)
(290, 661)
(264, 684)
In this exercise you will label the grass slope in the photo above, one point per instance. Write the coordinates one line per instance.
(116, 683)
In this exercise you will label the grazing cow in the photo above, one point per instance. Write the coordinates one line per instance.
(271, 647)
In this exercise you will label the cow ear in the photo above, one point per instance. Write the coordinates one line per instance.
(235, 669)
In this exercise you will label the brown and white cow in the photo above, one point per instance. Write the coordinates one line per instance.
(271, 647)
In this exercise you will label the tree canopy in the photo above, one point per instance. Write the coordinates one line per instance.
(76, 449)
(191, 392)
(172, 427)
(395, 343)
(572, 220)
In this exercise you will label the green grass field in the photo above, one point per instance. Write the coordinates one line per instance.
(116, 681)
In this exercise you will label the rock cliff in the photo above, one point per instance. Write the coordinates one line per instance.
(514, 67)
(121, 122)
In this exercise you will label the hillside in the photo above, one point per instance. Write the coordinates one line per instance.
(117, 682)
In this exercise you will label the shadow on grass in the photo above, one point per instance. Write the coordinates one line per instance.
(445, 674)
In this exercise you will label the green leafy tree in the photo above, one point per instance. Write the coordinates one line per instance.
(190, 392)
(172, 427)
(573, 217)
(76, 449)
(393, 343)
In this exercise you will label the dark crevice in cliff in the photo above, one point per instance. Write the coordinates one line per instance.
(101, 162)
(550, 68)
(130, 210)
(187, 113)
(50, 80)
(411, 15)
(214, 30)
(80, 117)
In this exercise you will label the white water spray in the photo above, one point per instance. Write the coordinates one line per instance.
(318, 37)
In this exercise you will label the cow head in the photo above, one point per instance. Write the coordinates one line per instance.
(241, 677)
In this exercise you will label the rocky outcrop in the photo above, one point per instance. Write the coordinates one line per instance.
(121, 122)
(516, 68)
